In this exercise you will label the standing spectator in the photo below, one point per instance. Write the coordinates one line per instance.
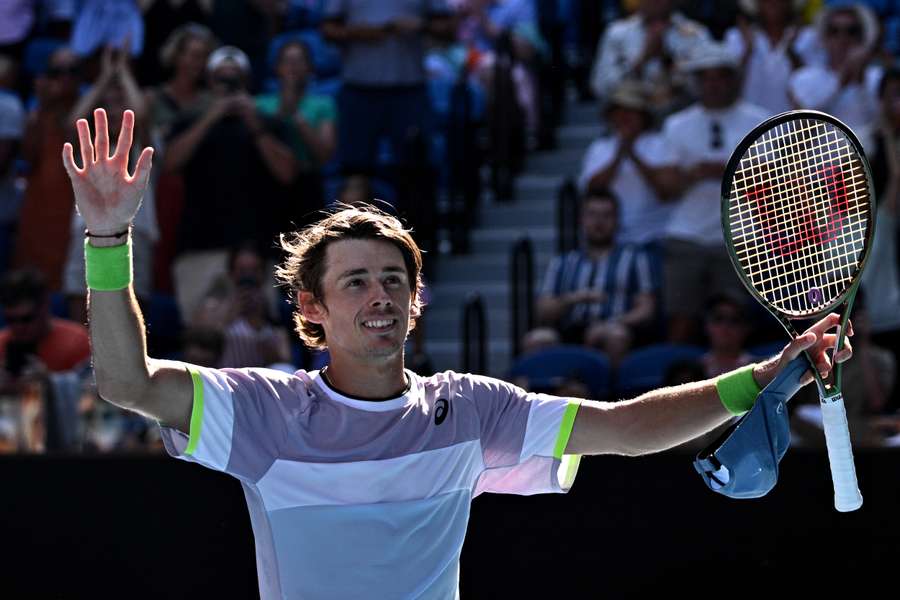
(116, 90)
(845, 86)
(250, 26)
(648, 46)
(602, 295)
(700, 139)
(12, 124)
(182, 97)
(766, 42)
(230, 157)
(384, 93)
(236, 305)
(309, 120)
(727, 329)
(42, 240)
(633, 163)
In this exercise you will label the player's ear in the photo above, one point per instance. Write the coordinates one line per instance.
(311, 309)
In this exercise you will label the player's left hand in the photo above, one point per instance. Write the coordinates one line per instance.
(818, 340)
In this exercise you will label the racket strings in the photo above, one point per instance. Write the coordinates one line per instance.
(799, 214)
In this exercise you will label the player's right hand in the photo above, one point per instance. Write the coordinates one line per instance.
(106, 196)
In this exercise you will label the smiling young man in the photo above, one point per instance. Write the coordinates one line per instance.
(359, 477)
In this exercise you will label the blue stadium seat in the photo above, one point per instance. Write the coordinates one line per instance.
(645, 369)
(546, 369)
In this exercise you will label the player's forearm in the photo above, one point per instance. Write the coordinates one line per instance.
(118, 346)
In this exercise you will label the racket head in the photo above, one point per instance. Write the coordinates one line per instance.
(798, 206)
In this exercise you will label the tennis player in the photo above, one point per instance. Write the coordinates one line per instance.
(359, 477)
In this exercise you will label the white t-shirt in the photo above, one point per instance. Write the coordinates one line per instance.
(690, 138)
(352, 498)
(768, 69)
(621, 45)
(817, 87)
(642, 216)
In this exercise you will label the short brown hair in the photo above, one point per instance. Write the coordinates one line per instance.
(304, 266)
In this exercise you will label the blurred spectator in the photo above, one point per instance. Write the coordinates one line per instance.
(115, 90)
(632, 162)
(309, 120)
(230, 158)
(38, 355)
(727, 329)
(844, 86)
(12, 124)
(183, 95)
(648, 46)
(101, 23)
(237, 306)
(17, 18)
(601, 296)
(766, 43)
(680, 372)
(203, 346)
(700, 139)
(162, 19)
(881, 280)
(42, 240)
(384, 94)
(250, 26)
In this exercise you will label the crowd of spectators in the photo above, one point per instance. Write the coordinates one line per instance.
(262, 112)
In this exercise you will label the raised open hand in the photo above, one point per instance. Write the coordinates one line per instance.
(105, 194)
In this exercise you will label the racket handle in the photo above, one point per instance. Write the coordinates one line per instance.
(840, 454)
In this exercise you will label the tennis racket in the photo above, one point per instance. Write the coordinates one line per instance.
(798, 215)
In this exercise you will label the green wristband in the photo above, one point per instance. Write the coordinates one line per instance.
(107, 269)
(738, 390)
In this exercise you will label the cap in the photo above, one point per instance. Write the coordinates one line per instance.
(228, 53)
(710, 55)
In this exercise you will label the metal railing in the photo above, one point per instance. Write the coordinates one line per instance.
(567, 206)
(474, 336)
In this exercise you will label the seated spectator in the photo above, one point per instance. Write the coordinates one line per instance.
(727, 329)
(633, 163)
(602, 295)
(648, 46)
(766, 43)
(231, 158)
(42, 240)
(12, 124)
(116, 90)
(700, 139)
(237, 306)
(844, 86)
(38, 355)
(309, 120)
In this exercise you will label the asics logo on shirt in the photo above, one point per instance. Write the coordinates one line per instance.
(441, 410)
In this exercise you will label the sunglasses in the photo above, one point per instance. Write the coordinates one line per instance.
(54, 72)
(853, 31)
(22, 319)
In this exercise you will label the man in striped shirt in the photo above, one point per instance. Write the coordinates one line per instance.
(602, 295)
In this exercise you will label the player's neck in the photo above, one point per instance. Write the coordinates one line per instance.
(375, 380)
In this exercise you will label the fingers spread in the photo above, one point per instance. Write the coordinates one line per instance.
(101, 127)
(126, 135)
(84, 140)
(826, 323)
(68, 158)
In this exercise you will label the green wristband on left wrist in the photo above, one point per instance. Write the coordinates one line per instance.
(738, 390)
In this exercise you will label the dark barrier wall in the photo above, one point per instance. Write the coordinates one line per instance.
(630, 528)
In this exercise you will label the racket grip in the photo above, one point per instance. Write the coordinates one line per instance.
(840, 454)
